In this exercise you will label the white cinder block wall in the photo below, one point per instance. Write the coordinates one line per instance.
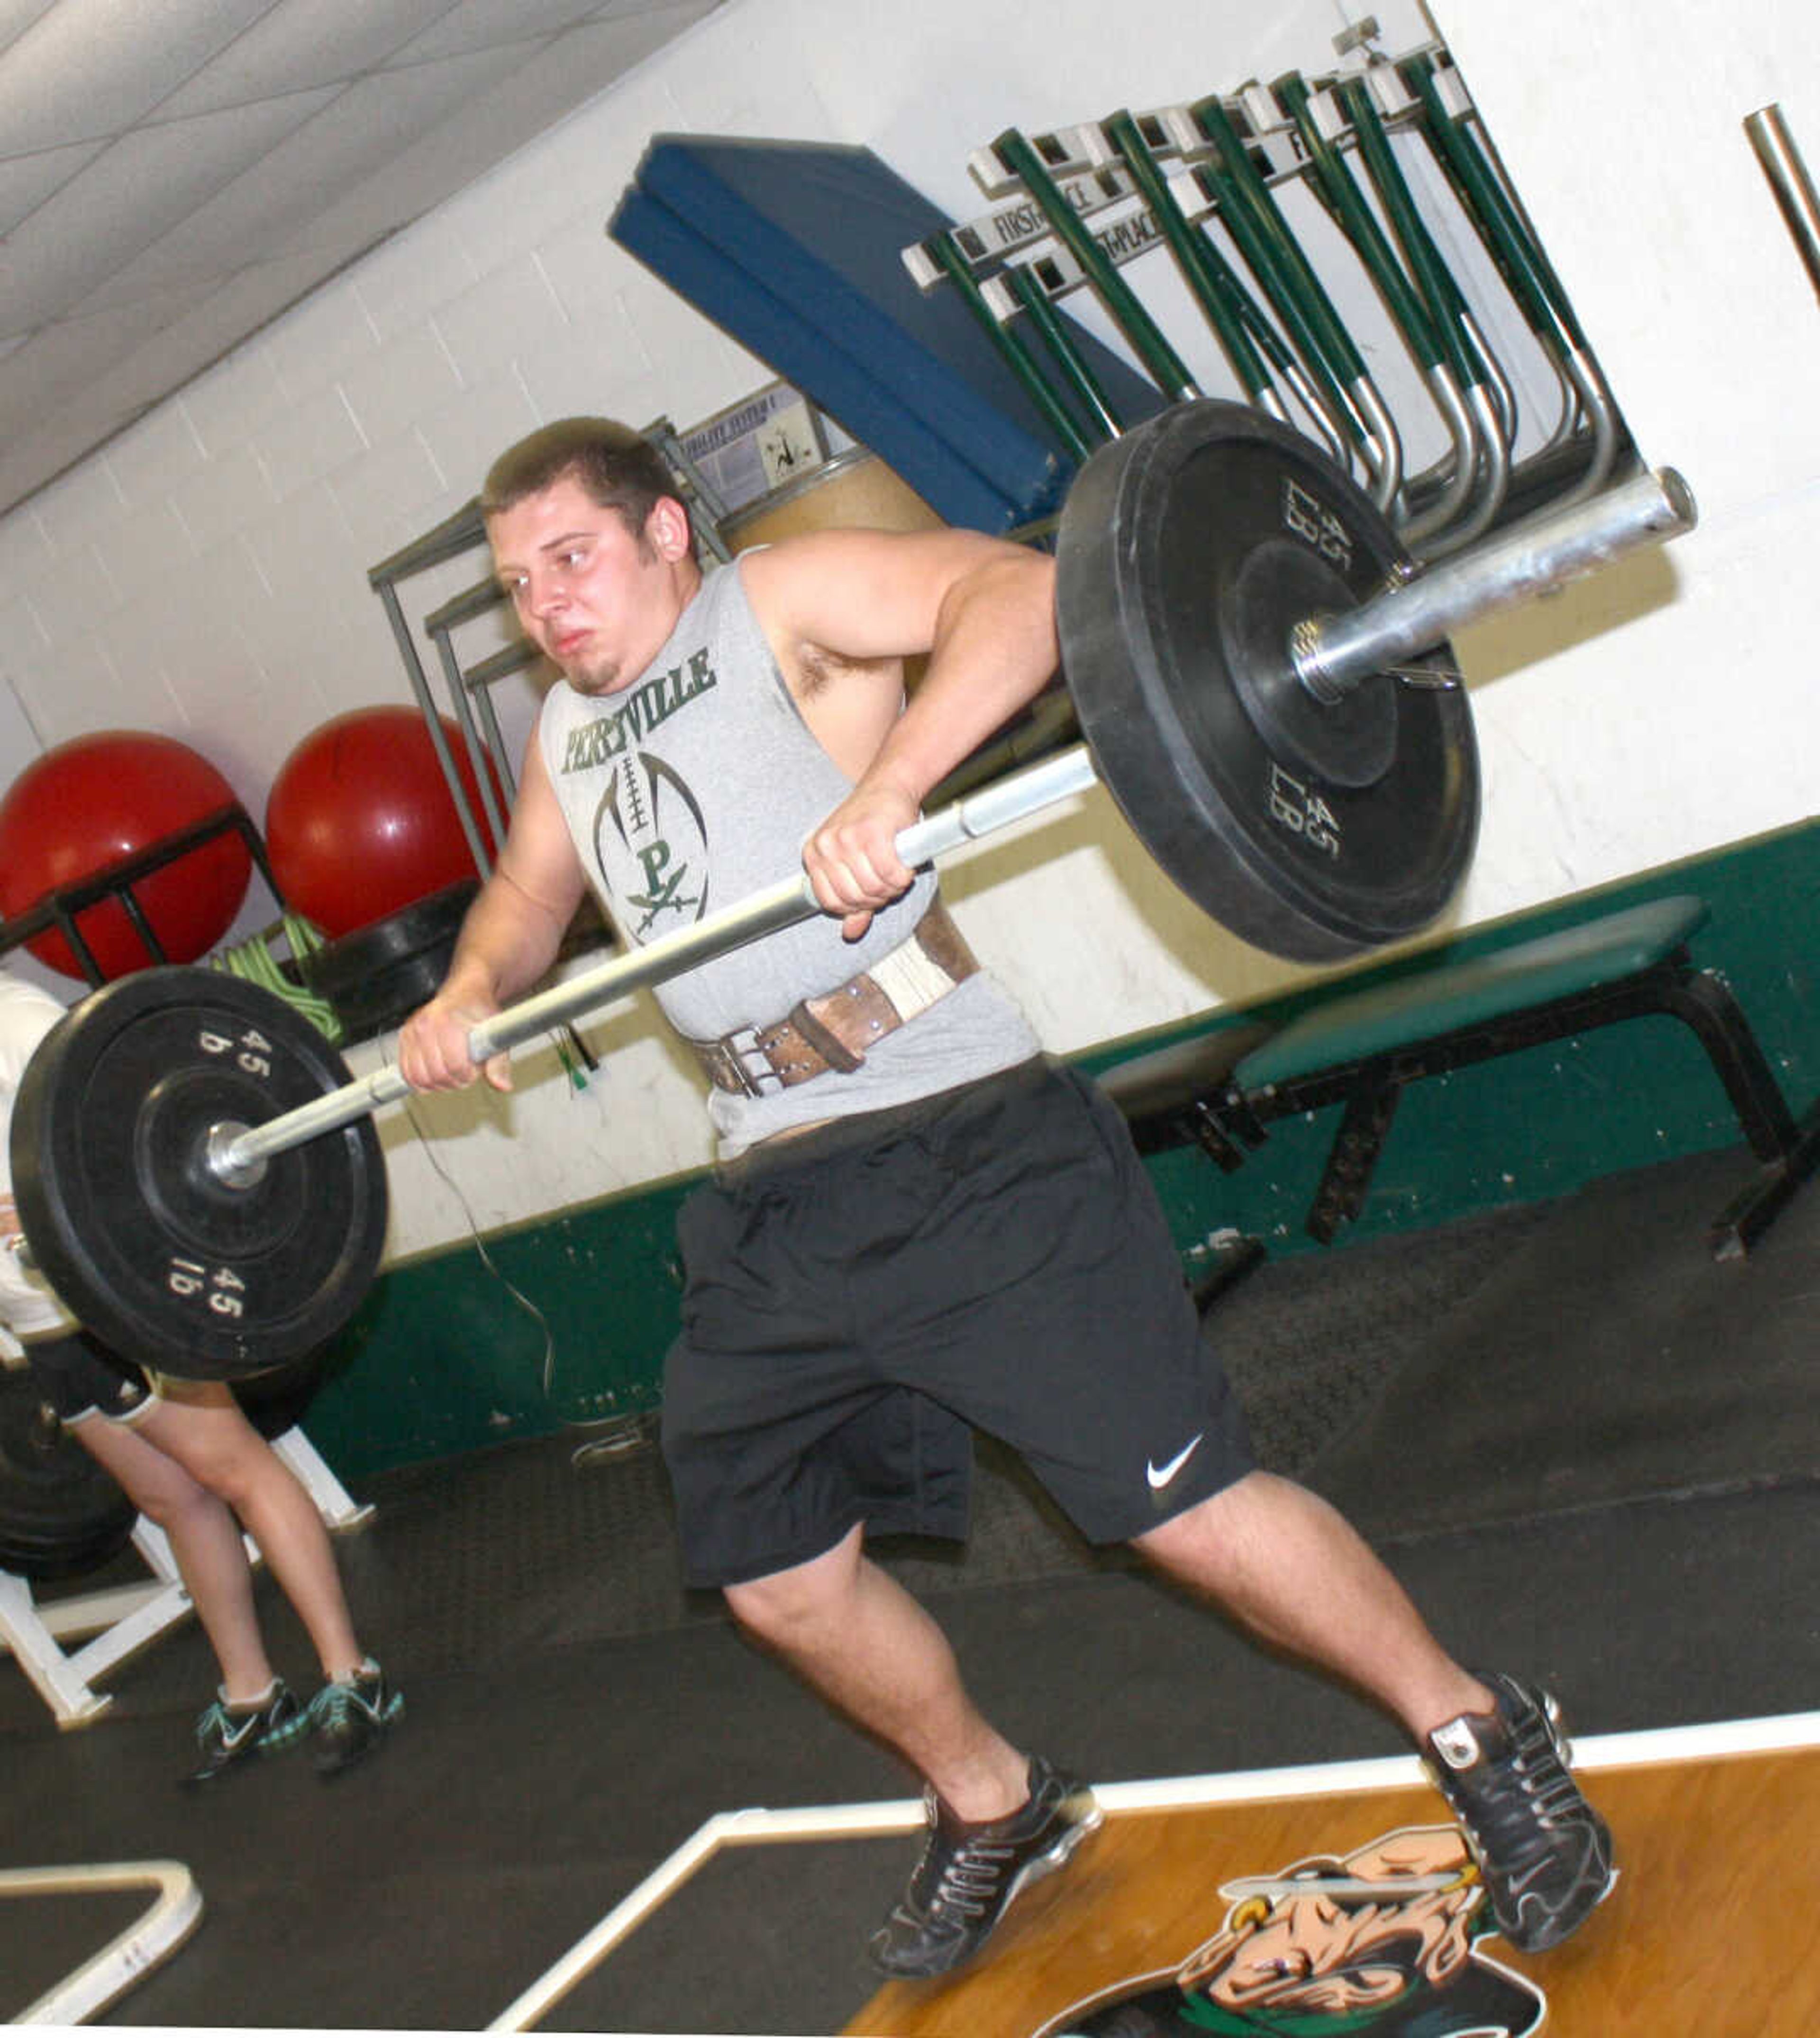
(1671, 706)
(205, 574)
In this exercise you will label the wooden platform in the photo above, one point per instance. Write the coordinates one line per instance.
(1711, 1929)
(1251, 1881)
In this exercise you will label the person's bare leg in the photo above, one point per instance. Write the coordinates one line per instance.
(200, 1425)
(850, 1631)
(1295, 1571)
(205, 1540)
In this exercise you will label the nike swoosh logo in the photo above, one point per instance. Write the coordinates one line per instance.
(1159, 1476)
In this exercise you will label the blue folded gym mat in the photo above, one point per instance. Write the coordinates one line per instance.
(833, 381)
(796, 249)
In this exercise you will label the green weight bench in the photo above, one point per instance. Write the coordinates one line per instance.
(1362, 1049)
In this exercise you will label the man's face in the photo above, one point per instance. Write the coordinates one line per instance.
(598, 600)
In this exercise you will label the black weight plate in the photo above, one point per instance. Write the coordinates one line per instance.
(378, 976)
(378, 1002)
(276, 1401)
(1187, 551)
(143, 1241)
(429, 925)
(61, 1513)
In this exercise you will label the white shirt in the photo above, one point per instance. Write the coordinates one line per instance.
(28, 1306)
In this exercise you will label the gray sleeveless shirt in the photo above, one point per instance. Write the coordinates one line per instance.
(694, 788)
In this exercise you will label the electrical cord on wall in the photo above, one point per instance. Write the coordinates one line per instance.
(486, 1258)
(254, 960)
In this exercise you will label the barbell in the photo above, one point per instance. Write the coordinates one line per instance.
(200, 1179)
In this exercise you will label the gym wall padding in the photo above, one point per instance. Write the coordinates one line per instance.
(796, 249)
(442, 1359)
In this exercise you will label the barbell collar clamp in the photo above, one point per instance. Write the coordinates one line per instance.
(221, 1156)
(1331, 655)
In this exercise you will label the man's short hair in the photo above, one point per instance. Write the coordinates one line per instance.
(617, 468)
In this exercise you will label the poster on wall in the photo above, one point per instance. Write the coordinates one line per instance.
(757, 445)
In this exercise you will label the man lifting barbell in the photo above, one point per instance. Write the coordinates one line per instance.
(189, 1461)
(920, 1223)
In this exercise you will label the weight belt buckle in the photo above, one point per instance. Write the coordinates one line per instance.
(730, 1055)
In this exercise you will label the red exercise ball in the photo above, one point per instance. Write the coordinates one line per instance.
(91, 802)
(360, 823)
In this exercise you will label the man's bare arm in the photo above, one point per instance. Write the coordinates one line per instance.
(508, 939)
(982, 609)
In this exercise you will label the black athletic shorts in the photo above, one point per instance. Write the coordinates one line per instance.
(860, 1295)
(83, 1378)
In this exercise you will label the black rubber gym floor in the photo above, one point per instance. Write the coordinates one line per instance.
(1591, 1453)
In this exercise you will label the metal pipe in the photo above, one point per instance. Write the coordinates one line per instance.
(1491, 478)
(1383, 450)
(1331, 654)
(1011, 346)
(1593, 399)
(432, 717)
(477, 755)
(458, 533)
(1443, 386)
(1025, 291)
(1788, 179)
(463, 608)
(1503, 395)
(480, 679)
(176, 1910)
(1302, 386)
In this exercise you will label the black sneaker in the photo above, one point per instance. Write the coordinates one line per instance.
(345, 1721)
(225, 1736)
(1543, 1852)
(969, 1873)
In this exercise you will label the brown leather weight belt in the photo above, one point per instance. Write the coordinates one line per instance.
(834, 1030)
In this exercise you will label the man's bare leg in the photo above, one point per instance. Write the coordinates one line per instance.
(851, 1630)
(1296, 1572)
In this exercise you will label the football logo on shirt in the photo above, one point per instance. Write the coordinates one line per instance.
(651, 845)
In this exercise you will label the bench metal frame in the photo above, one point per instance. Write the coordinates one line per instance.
(1226, 1121)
